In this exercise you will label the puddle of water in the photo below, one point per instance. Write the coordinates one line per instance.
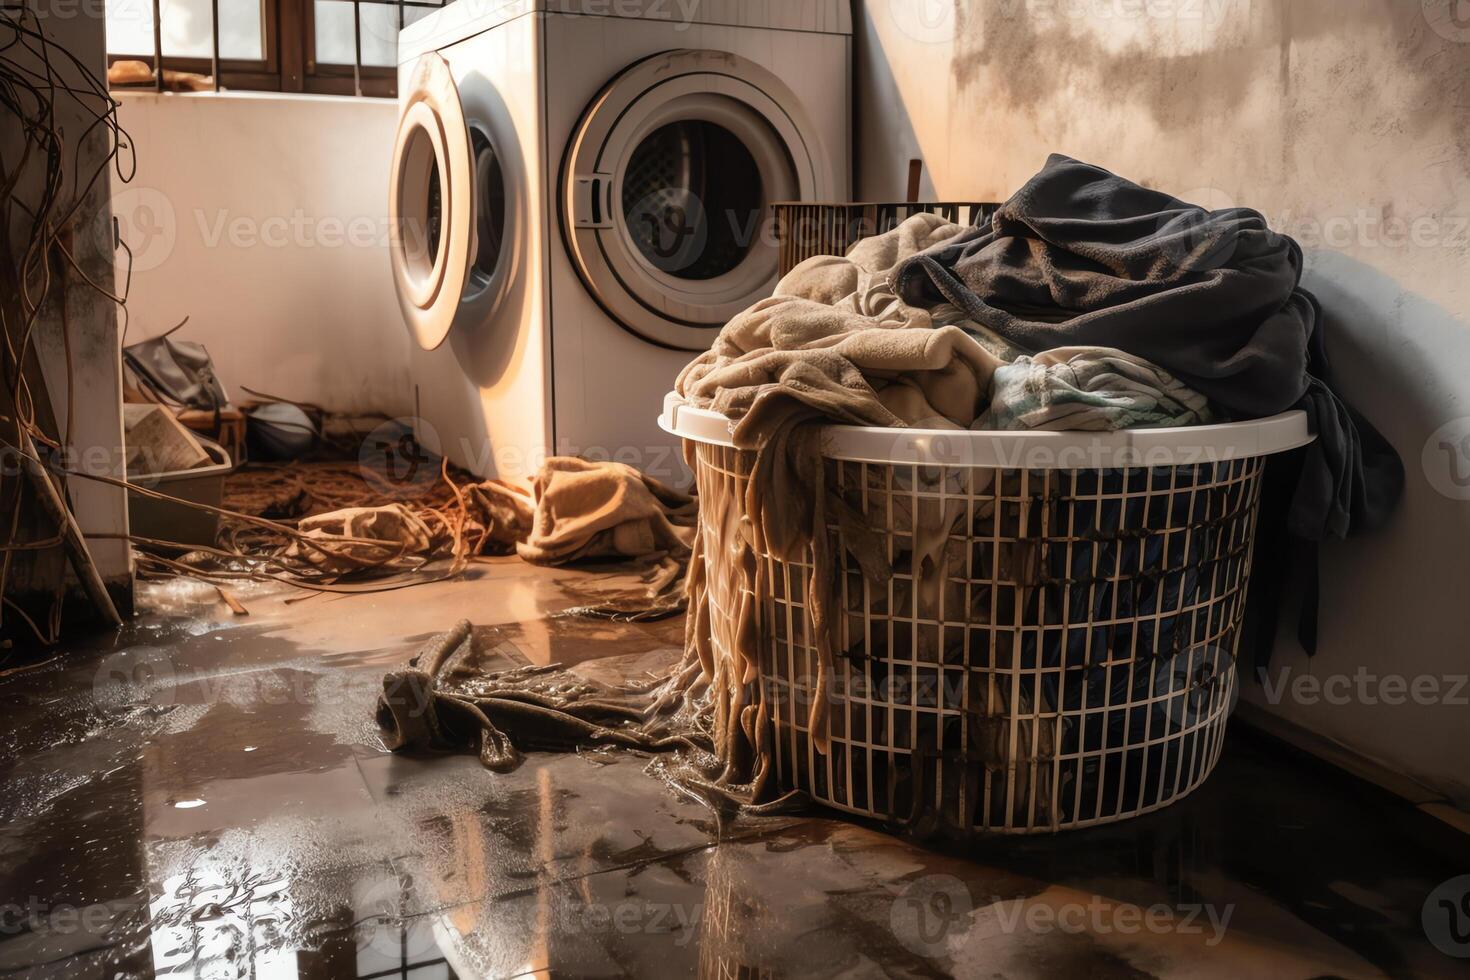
(203, 797)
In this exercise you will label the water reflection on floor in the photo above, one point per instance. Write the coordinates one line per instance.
(206, 796)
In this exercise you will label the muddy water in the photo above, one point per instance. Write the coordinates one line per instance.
(205, 796)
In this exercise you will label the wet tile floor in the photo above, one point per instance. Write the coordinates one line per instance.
(205, 795)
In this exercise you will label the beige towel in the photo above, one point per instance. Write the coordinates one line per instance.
(580, 509)
(833, 344)
(835, 341)
(604, 510)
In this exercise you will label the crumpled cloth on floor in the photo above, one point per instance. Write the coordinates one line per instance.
(1079, 256)
(586, 509)
(417, 711)
(579, 509)
(425, 707)
(500, 516)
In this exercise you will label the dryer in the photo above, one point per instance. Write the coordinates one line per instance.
(580, 196)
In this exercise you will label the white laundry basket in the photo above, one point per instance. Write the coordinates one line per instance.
(1055, 647)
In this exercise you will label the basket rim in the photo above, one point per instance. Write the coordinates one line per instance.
(1029, 449)
(879, 203)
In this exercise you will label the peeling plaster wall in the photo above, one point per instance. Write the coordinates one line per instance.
(1347, 122)
(92, 389)
(264, 219)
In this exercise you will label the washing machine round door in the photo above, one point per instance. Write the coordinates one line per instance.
(447, 207)
(666, 187)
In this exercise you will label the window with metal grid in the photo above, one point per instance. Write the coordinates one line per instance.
(326, 47)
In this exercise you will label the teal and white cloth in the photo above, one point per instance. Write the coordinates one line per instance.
(1089, 389)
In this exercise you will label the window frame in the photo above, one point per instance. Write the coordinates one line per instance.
(289, 65)
(332, 79)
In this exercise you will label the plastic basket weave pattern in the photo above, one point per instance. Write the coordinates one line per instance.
(1055, 645)
(1055, 648)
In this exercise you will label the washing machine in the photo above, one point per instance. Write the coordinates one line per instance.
(579, 199)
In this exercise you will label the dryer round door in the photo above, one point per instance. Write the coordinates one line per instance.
(447, 205)
(666, 185)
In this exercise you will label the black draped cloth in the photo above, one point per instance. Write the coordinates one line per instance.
(1080, 256)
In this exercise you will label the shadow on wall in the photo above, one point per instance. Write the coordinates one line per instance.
(1384, 615)
(882, 115)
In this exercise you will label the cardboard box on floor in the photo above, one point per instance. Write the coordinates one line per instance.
(158, 443)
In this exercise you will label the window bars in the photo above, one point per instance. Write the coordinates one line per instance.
(289, 59)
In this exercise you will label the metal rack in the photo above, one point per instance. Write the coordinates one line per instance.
(804, 229)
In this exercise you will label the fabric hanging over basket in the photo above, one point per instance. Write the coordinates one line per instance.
(1089, 303)
(1080, 256)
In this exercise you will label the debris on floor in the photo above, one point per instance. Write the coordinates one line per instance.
(158, 443)
(361, 514)
(280, 432)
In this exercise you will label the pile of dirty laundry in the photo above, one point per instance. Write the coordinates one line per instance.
(1088, 303)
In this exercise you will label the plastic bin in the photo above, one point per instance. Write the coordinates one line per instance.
(1056, 647)
(176, 523)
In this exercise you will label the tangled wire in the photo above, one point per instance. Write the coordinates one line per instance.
(455, 518)
(45, 188)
